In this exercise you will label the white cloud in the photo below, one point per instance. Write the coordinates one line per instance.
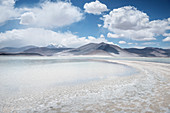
(166, 34)
(169, 20)
(95, 8)
(148, 43)
(134, 24)
(52, 14)
(122, 42)
(111, 35)
(139, 35)
(7, 10)
(126, 18)
(130, 43)
(167, 39)
(102, 36)
(43, 37)
(7, 2)
(27, 18)
(47, 14)
(91, 39)
(99, 25)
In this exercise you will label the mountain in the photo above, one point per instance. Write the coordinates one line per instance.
(102, 49)
(150, 52)
(99, 49)
(56, 46)
(116, 51)
(46, 51)
(20, 54)
(33, 50)
(15, 50)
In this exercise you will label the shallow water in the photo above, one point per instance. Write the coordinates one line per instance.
(19, 74)
(145, 59)
(62, 84)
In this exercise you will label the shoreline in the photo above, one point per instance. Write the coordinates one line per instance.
(146, 91)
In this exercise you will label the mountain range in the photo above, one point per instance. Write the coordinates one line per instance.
(103, 49)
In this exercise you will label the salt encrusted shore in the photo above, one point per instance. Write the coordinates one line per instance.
(147, 91)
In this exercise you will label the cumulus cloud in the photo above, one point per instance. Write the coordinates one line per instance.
(99, 25)
(166, 34)
(47, 14)
(148, 43)
(134, 24)
(43, 37)
(167, 39)
(122, 42)
(52, 14)
(95, 8)
(130, 43)
(27, 18)
(92, 39)
(102, 36)
(7, 10)
(7, 2)
(111, 35)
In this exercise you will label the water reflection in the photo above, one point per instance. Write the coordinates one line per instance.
(18, 74)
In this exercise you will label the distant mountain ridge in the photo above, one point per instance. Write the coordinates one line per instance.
(56, 46)
(100, 49)
(45, 51)
(150, 52)
(15, 50)
(103, 49)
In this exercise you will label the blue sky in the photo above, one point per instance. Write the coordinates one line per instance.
(127, 23)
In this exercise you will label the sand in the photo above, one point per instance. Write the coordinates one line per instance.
(147, 91)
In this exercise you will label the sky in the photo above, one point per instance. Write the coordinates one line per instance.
(73, 23)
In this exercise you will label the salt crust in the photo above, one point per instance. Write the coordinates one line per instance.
(147, 91)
